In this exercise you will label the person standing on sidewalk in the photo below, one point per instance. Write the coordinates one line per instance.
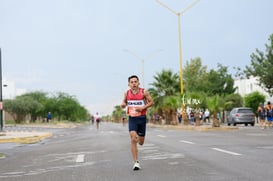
(261, 115)
(269, 113)
(123, 119)
(49, 117)
(206, 116)
(137, 100)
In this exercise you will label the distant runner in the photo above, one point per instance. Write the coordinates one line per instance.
(97, 119)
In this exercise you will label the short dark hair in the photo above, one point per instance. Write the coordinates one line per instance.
(132, 76)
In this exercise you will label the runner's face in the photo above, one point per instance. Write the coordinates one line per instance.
(133, 83)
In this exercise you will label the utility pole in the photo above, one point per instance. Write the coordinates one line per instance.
(178, 14)
(142, 60)
(1, 97)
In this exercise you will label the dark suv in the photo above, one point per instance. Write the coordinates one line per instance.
(241, 115)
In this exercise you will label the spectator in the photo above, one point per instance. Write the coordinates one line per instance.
(49, 117)
(206, 116)
(179, 115)
(261, 115)
(192, 119)
(269, 113)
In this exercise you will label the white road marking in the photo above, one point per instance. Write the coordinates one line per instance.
(173, 163)
(80, 158)
(162, 156)
(189, 142)
(162, 136)
(151, 152)
(257, 134)
(228, 152)
(265, 147)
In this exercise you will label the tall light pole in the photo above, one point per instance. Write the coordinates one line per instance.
(178, 14)
(142, 60)
(1, 97)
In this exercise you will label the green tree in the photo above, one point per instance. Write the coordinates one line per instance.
(198, 79)
(20, 107)
(239, 73)
(169, 108)
(219, 82)
(163, 90)
(67, 107)
(36, 103)
(194, 76)
(215, 105)
(51, 105)
(262, 67)
(235, 100)
(118, 113)
(253, 100)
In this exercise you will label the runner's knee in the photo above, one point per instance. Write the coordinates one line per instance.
(134, 137)
(141, 140)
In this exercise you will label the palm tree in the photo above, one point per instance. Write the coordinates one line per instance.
(164, 91)
(215, 105)
(170, 105)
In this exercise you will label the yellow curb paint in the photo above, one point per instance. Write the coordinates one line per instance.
(2, 156)
(27, 140)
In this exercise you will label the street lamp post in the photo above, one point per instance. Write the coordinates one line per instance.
(178, 14)
(142, 60)
(1, 98)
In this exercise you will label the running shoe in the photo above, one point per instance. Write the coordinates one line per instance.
(136, 166)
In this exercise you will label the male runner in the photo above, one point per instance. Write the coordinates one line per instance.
(97, 119)
(137, 101)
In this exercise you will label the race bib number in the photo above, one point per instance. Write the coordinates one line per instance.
(132, 105)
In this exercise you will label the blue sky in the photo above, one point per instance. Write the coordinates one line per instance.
(77, 46)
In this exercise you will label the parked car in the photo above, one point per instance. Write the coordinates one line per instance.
(241, 115)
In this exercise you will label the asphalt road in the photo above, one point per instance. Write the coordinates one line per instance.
(88, 154)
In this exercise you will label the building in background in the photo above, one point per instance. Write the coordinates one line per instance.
(9, 90)
(247, 86)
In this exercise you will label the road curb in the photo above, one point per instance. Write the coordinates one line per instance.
(195, 128)
(36, 137)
